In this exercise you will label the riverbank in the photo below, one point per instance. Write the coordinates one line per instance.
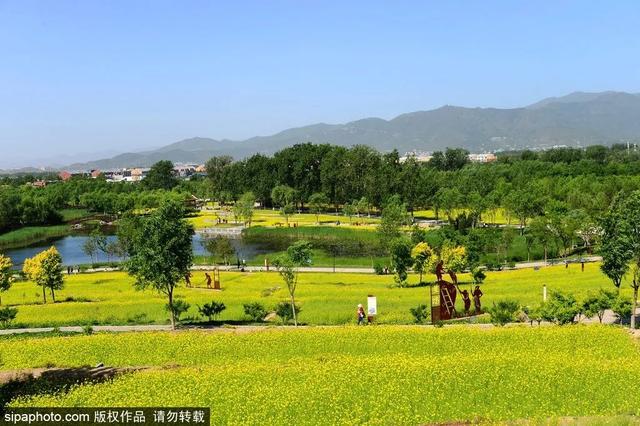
(30, 235)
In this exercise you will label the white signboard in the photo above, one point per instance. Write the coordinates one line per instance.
(372, 305)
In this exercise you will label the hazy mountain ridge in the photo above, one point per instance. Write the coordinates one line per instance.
(578, 119)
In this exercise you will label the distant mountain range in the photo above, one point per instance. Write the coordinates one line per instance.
(578, 119)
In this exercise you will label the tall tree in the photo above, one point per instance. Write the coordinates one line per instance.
(160, 253)
(216, 167)
(394, 216)
(161, 176)
(288, 264)
(6, 274)
(317, 203)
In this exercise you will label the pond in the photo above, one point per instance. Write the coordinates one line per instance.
(70, 249)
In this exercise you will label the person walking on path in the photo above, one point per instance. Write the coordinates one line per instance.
(208, 278)
(360, 313)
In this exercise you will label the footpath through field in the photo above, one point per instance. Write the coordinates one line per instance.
(609, 318)
(356, 270)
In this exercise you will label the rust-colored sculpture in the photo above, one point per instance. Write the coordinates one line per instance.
(447, 293)
(467, 300)
(439, 270)
(477, 294)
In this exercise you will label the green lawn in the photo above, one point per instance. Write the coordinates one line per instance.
(326, 298)
(69, 215)
(31, 235)
(354, 375)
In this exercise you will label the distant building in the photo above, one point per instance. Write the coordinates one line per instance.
(184, 171)
(482, 158)
(138, 174)
(38, 183)
(95, 173)
(65, 175)
(421, 157)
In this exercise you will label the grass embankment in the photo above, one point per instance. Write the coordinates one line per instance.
(325, 298)
(34, 234)
(31, 235)
(350, 375)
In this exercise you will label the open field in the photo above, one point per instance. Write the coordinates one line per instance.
(498, 216)
(264, 217)
(329, 298)
(351, 375)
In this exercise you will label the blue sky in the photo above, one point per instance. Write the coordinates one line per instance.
(107, 76)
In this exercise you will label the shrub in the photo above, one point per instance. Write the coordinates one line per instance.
(283, 310)
(378, 268)
(87, 329)
(255, 310)
(478, 275)
(503, 312)
(597, 304)
(420, 313)
(179, 308)
(534, 314)
(492, 265)
(561, 308)
(212, 309)
(622, 308)
(7, 315)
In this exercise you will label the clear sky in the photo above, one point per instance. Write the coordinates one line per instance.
(105, 76)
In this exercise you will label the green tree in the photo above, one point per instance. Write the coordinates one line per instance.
(317, 203)
(401, 259)
(284, 196)
(539, 230)
(598, 303)
(161, 176)
(6, 274)
(216, 173)
(245, 206)
(503, 312)
(394, 216)
(616, 252)
(561, 308)
(89, 248)
(363, 206)
(349, 210)
(288, 264)
(449, 199)
(220, 246)
(212, 310)
(160, 253)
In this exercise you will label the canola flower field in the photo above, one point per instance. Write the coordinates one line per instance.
(326, 298)
(353, 375)
(266, 217)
